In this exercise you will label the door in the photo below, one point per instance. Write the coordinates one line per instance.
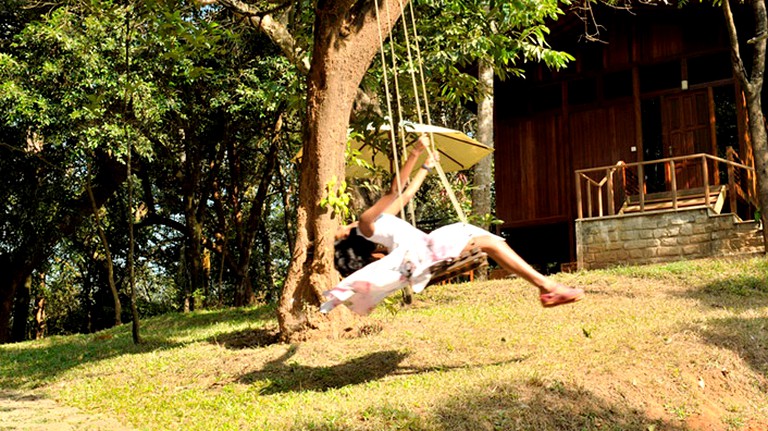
(686, 129)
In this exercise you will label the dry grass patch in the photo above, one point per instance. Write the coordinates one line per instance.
(671, 347)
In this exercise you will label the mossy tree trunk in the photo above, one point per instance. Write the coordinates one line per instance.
(346, 39)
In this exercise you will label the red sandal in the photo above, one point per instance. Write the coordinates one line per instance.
(562, 295)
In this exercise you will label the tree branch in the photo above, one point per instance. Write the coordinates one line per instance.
(275, 30)
(738, 65)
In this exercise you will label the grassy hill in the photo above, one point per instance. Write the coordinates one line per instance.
(667, 347)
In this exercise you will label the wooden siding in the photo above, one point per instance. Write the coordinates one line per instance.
(532, 183)
(650, 86)
(659, 40)
(603, 136)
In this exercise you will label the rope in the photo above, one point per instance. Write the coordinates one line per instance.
(410, 60)
(439, 168)
(420, 62)
(389, 108)
(401, 130)
(431, 149)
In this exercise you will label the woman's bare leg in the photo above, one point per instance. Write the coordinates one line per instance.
(500, 252)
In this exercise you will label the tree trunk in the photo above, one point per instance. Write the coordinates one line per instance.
(345, 42)
(207, 277)
(107, 253)
(759, 138)
(18, 264)
(266, 263)
(481, 194)
(12, 279)
(752, 86)
(192, 258)
(41, 326)
(195, 189)
(21, 310)
(247, 231)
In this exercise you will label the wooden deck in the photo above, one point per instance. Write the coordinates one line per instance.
(691, 198)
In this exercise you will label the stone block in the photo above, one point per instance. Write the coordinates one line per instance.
(695, 250)
(670, 251)
(700, 238)
(647, 234)
(638, 254)
(702, 228)
(668, 242)
(628, 235)
(681, 218)
(667, 232)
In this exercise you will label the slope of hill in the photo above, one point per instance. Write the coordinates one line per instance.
(682, 346)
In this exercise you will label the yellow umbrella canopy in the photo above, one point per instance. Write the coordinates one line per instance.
(457, 150)
(374, 148)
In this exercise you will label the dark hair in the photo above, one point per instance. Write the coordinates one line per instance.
(352, 253)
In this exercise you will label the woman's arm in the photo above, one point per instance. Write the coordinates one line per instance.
(410, 163)
(392, 199)
(401, 201)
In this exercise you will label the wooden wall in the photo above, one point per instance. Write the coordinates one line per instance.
(588, 115)
(603, 136)
(532, 185)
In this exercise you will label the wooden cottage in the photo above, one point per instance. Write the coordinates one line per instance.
(644, 120)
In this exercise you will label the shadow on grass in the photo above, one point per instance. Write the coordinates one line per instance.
(739, 293)
(747, 336)
(537, 406)
(248, 339)
(524, 406)
(284, 376)
(34, 363)
(170, 324)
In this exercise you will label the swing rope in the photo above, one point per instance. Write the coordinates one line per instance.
(389, 107)
(467, 261)
(401, 129)
(432, 148)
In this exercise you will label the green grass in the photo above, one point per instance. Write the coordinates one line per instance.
(663, 347)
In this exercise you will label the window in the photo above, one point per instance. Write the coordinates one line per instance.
(617, 85)
(708, 68)
(546, 97)
(661, 76)
(582, 91)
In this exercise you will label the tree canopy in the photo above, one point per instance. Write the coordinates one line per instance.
(212, 100)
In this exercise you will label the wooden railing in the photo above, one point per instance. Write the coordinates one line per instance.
(600, 197)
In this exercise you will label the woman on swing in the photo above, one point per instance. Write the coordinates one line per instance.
(411, 252)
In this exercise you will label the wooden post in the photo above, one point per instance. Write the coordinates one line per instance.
(641, 186)
(705, 170)
(600, 200)
(589, 200)
(673, 180)
(611, 210)
(731, 179)
(578, 196)
(712, 129)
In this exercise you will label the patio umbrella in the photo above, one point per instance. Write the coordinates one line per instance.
(457, 150)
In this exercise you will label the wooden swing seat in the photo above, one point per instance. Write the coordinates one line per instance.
(466, 262)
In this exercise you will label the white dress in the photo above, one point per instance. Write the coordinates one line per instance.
(411, 254)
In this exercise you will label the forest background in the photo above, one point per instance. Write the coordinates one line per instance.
(152, 144)
(147, 149)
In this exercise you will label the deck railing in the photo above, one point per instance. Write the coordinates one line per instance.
(598, 196)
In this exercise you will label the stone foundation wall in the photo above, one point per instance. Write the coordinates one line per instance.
(663, 237)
